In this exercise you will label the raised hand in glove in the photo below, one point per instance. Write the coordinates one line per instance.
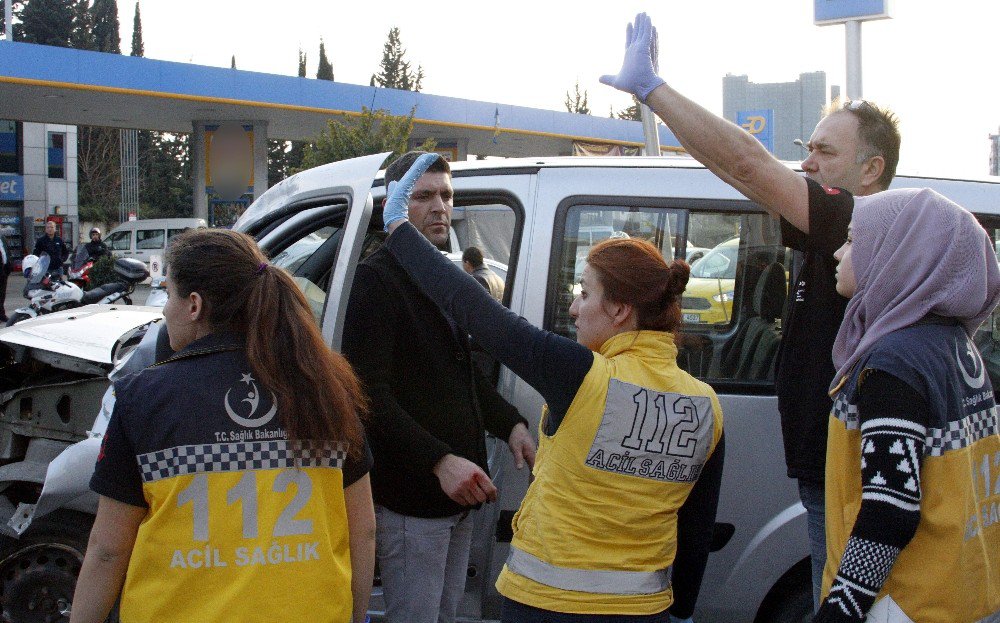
(638, 72)
(398, 193)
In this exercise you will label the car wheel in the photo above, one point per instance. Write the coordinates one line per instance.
(16, 317)
(38, 571)
(795, 607)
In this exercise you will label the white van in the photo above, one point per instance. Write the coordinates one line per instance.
(533, 216)
(142, 239)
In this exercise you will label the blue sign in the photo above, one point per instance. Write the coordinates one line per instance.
(838, 11)
(11, 187)
(759, 123)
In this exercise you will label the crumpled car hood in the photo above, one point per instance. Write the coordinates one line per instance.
(90, 332)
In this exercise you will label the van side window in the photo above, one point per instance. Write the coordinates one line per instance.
(120, 241)
(734, 301)
(735, 298)
(585, 226)
(311, 277)
(173, 233)
(147, 239)
(988, 337)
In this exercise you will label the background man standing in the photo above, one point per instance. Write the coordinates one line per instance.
(5, 268)
(473, 263)
(430, 409)
(856, 148)
(53, 245)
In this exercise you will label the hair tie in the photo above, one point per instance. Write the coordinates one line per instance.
(260, 268)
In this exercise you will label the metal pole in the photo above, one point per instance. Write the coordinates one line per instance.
(8, 16)
(649, 132)
(853, 38)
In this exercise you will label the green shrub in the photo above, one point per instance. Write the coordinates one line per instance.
(103, 271)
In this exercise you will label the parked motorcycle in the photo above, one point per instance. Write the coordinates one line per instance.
(79, 268)
(47, 295)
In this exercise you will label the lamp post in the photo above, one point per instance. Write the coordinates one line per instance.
(8, 17)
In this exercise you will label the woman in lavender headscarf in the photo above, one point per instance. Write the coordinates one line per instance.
(913, 461)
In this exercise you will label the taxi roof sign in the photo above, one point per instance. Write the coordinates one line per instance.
(840, 11)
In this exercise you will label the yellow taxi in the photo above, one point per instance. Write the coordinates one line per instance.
(708, 298)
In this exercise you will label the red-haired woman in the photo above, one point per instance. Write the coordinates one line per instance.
(234, 476)
(617, 523)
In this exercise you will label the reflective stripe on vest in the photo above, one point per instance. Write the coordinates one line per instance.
(588, 580)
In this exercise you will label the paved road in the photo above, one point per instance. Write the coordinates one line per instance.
(15, 296)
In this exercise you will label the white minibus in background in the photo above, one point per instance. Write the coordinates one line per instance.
(145, 238)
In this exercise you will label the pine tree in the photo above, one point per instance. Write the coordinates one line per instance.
(629, 114)
(577, 103)
(302, 63)
(83, 27)
(325, 70)
(394, 71)
(49, 22)
(106, 26)
(232, 62)
(138, 49)
(165, 177)
(372, 132)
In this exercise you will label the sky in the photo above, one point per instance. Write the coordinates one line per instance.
(932, 63)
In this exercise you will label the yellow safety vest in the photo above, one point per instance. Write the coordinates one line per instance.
(597, 530)
(256, 537)
(950, 571)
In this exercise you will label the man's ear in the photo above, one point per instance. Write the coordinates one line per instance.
(872, 171)
(196, 307)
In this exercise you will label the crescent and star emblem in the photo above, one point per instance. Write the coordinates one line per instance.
(975, 382)
(253, 398)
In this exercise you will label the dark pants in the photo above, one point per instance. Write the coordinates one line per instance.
(515, 612)
(813, 496)
(3, 294)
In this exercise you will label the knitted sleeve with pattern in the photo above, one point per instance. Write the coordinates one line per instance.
(894, 419)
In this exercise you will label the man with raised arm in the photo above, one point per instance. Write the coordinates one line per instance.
(430, 409)
(855, 149)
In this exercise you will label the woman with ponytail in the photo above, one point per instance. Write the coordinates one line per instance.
(233, 477)
(617, 523)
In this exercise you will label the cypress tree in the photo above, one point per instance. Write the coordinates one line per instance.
(138, 49)
(105, 14)
(325, 69)
(302, 63)
(83, 26)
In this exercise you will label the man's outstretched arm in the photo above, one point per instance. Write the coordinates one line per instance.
(726, 149)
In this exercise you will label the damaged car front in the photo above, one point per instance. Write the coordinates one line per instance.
(55, 401)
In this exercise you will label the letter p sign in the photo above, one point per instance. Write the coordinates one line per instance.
(760, 124)
(755, 124)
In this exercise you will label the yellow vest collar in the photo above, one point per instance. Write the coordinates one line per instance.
(646, 344)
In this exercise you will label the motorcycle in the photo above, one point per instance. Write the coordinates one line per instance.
(47, 295)
(79, 268)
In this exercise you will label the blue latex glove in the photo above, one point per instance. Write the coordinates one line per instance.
(674, 619)
(642, 54)
(398, 194)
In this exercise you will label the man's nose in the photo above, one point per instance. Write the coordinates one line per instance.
(809, 164)
(438, 204)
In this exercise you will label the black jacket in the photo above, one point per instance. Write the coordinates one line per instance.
(96, 249)
(56, 249)
(428, 399)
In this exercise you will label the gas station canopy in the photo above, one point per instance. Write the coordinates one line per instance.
(60, 85)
